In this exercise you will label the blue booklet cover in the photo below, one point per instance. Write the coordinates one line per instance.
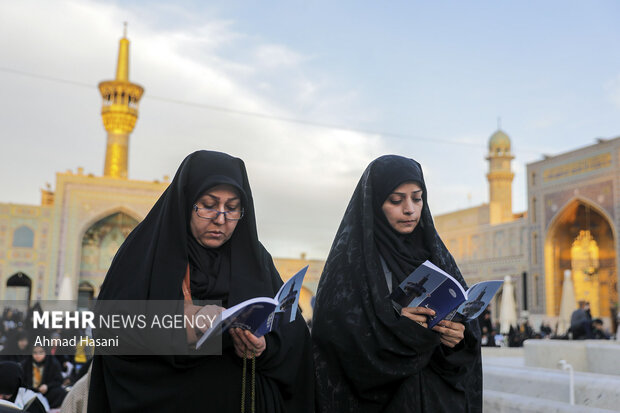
(260, 315)
(429, 286)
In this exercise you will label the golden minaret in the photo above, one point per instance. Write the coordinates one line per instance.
(119, 112)
(500, 178)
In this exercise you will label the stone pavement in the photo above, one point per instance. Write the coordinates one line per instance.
(513, 385)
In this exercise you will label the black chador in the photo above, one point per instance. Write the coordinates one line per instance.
(369, 358)
(151, 265)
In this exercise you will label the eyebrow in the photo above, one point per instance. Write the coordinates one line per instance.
(218, 198)
(404, 194)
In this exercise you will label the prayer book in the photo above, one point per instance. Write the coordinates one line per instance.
(260, 315)
(429, 286)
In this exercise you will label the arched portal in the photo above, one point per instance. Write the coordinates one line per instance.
(99, 245)
(581, 239)
(18, 289)
(86, 293)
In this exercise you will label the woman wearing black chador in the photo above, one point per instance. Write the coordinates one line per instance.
(200, 242)
(370, 357)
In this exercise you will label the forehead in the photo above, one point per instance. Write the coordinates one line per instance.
(223, 192)
(408, 187)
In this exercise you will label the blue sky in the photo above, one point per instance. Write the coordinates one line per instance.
(423, 79)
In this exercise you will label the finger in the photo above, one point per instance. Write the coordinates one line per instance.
(262, 344)
(254, 341)
(447, 343)
(419, 310)
(452, 325)
(240, 349)
(449, 333)
(248, 344)
(415, 317)
(239, 352)
(237, 340)
(258, 344)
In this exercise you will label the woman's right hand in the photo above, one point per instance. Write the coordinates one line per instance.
(206, 316)
(202, 317)
(418, 314)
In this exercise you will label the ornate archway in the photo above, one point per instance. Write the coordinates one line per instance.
(582, 240)
(99, 245)
(18, 289)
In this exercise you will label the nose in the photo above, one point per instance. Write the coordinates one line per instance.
(220, 219)
(408, 207)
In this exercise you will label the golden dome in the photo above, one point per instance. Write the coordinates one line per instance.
(499, 142)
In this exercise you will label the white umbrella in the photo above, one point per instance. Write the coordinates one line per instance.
(65, 293)
(567, 305)
(508, 308)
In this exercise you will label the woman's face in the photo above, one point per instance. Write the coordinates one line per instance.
(213, 233)
(22, 343)
(38, 354)
(403, 207)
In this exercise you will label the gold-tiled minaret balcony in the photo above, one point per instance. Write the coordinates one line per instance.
(119, 112)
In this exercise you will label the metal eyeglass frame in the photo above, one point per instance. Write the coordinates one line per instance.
(218, 213)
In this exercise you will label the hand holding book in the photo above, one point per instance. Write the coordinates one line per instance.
(258, 315)
(247, 344)
(418, 314)
(431, 287)
(451, 332)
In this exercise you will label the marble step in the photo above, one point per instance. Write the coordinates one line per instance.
(591, 390)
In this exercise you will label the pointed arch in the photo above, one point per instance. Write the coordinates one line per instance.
(101, 238)
(19, 289)
(599, 287)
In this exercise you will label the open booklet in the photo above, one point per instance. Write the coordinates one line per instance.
(261, 314)
(429, 286)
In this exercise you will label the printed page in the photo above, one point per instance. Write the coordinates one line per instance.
(478, 298)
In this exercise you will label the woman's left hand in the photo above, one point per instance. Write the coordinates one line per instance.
(451, 333)
(246, 343)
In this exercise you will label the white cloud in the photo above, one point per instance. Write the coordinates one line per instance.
(277, 56)
(302, 176)
(613, 90)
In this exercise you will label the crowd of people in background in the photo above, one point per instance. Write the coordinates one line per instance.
(31, 371)
(582, 327)
(46, 376)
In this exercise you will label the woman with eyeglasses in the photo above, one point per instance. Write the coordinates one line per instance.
(371, 356)
(199, 242)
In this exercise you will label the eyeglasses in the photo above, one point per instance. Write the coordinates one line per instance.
(208, 213)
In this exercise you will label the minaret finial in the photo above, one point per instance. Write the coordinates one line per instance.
(125, 29)
(119, 112)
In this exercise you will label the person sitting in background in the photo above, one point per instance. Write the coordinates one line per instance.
(16, 348)
(581, 322)
(43, 374)
(598, 332)
(545, 329)
(13, 395)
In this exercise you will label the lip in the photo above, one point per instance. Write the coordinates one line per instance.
(214, 234)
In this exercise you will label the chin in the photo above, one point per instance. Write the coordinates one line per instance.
(213, 243)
